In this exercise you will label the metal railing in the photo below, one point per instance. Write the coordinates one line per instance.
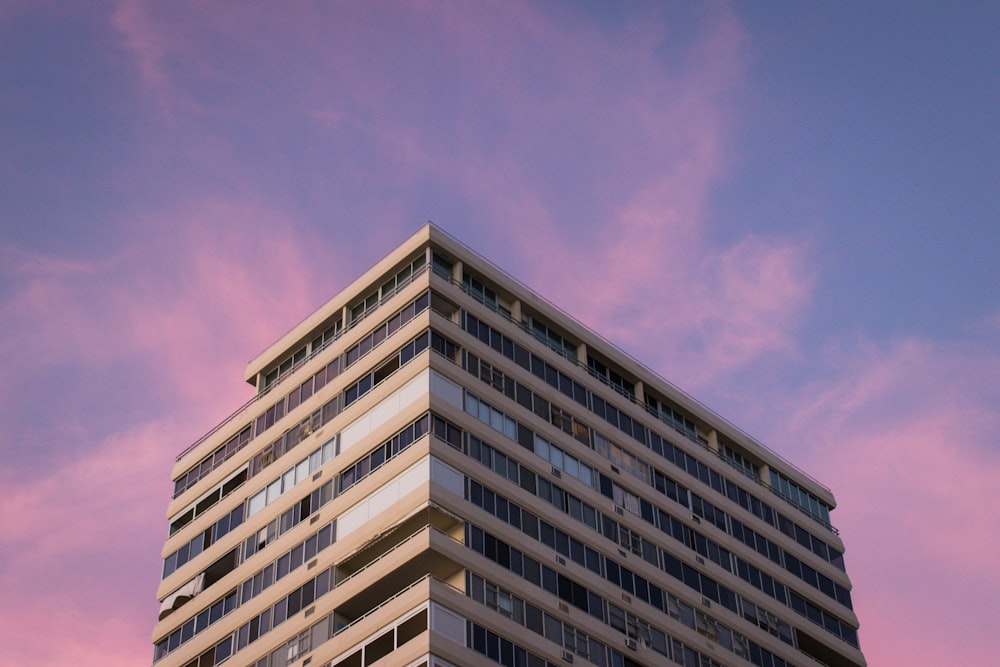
(309, 357)
(502, 312)
(400, 593)
(715, 416)
(374, 609)
(218, 427)
(425, 528)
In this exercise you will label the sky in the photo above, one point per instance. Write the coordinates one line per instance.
(790, 210)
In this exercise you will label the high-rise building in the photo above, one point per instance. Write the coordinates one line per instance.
(441, 468)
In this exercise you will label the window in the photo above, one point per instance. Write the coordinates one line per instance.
(490, 416)
(576, 641)
(284, 367)
(672, 417)
(610, 377)
(330, 334)
(801, 498)
(563, 461)
(556, 341)
(630, 540)
(741, 462)
(706, 626)
(499, 600)
(411, 627)
(442, 266)
(401, 278)
(476, 289)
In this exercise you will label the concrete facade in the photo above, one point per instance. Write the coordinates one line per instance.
(442, 468)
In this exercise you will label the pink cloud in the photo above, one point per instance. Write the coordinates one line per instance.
(629, 211)
(628, 149)
(694, 312)
(142, 39)
(183, 311)
(149, 48)
(905, 434)
(196, 285)
(243, 277)
(639, 227)
(587, 166)
(78, 550)
(752, 302)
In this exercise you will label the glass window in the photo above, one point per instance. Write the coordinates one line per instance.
(572, 466)
(273, 491)
(256, 503)
(223, 649)
(542, 447)
(556, 457)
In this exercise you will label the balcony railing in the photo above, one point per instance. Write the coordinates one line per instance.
(506, 315)
(426, 577)
(425, 528)
(312, 355)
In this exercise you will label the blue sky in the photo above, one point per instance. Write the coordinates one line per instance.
(789, 210)
(877, 126)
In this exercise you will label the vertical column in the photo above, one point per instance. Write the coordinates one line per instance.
(713, 441)
(515, 310)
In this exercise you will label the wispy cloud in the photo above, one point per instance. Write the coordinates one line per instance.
(191, 286)
(291, 145)
(76, 535)
(905, 433)
(629, 211)
(575, 149)
(182, 315)
(149, 48)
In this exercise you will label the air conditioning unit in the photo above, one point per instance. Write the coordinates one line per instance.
(567, 656)
(631, 643)
(556, 472)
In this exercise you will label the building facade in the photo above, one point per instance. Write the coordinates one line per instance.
(441, 468)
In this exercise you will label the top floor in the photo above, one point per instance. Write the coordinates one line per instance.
(432, 252)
